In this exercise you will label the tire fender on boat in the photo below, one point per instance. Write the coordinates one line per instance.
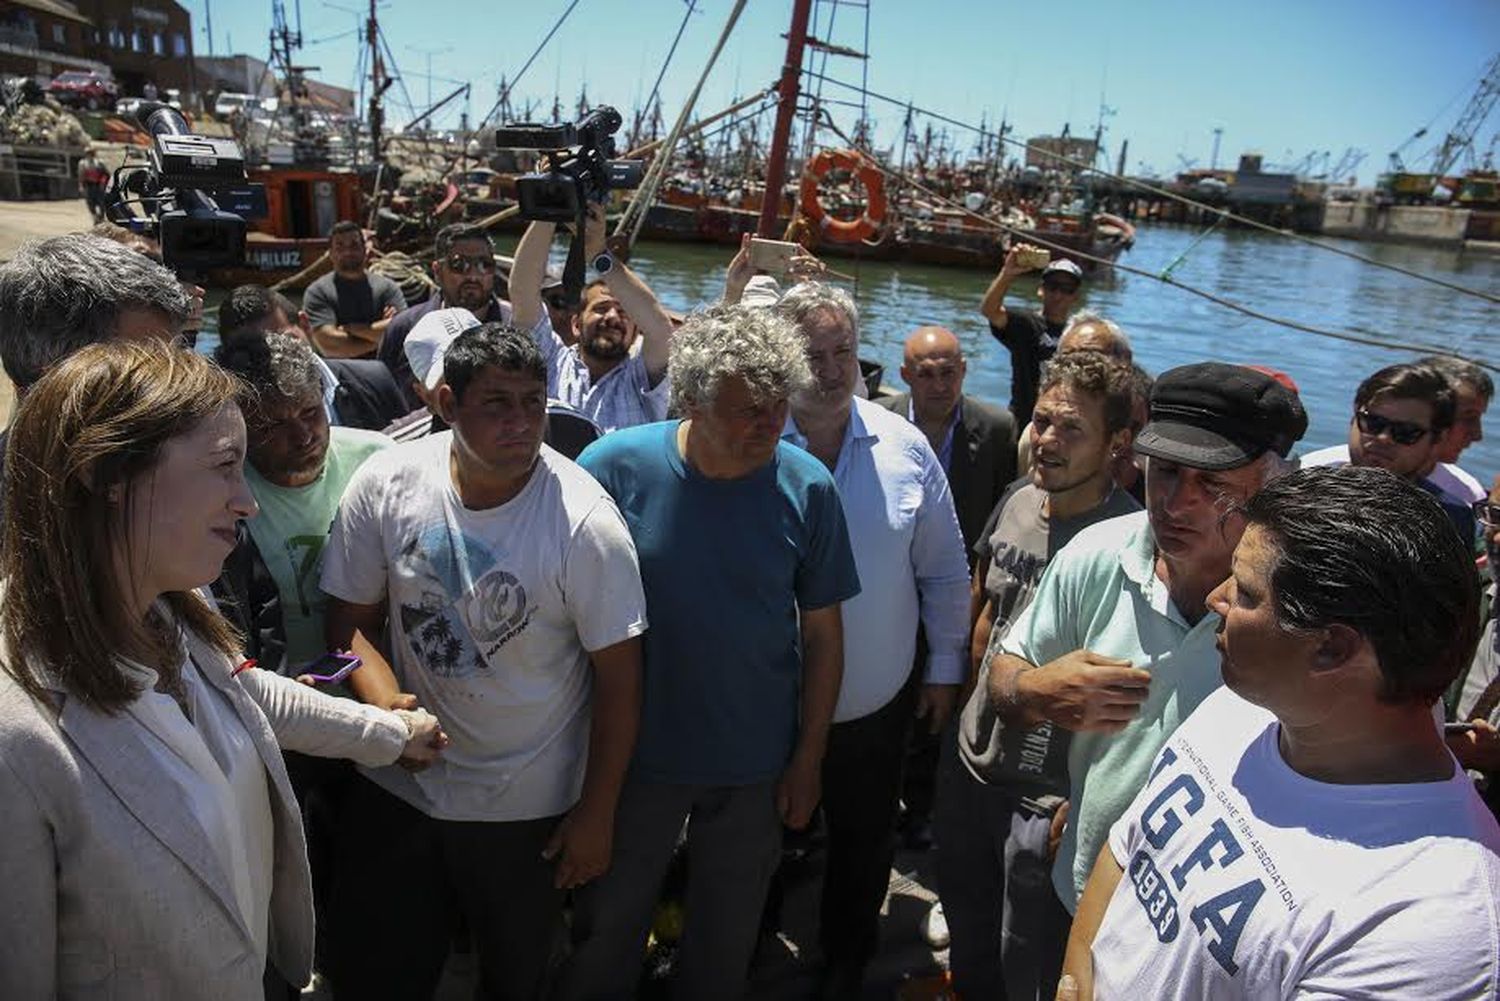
(841, 230)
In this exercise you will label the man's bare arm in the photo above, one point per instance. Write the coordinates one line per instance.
(822, 673)
(992, 306)
(527, 271)
(583, 842)
(1082, 690)
(1078, 963)
(351, 627)
(638, 301)
(352, 340)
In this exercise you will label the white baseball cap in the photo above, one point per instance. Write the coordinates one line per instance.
(428, 341)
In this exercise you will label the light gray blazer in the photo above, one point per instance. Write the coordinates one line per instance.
(108, 887)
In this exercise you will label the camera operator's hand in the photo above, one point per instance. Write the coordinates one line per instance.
(594, 235)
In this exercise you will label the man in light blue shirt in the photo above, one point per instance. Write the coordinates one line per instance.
(597, 375)
(912, 567)
(1118, 642)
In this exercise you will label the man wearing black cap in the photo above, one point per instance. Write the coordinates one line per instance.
(1118, 642)
(1031, 337)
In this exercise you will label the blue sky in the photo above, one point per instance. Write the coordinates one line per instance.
(1281, 78)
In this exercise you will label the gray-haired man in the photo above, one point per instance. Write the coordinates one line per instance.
(742, 660)
(65, 293)
(909, 551)
(62, 294)
(297, 467)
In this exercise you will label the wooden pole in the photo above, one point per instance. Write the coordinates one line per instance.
(791, 72)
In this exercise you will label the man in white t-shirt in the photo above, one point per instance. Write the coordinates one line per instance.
(511, 591)
(1306, 833)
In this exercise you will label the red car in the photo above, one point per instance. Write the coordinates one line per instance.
(84, 89)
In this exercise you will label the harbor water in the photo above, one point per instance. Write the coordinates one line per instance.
(1169, 326)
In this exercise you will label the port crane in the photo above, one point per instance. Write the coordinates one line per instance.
(1461, 137)
(1403, 185)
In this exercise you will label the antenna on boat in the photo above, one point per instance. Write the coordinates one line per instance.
(379, 84)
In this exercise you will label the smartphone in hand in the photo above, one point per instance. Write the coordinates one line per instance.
(332, 667)
(773, 256)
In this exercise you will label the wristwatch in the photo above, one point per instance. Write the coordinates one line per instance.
(603, 263)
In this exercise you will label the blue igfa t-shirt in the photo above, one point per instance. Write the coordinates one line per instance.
(725, 565)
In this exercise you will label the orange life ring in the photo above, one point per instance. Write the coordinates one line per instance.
(842, 230)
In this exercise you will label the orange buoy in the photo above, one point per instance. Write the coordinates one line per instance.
(844, 230)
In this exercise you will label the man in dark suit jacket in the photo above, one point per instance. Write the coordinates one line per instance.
(976, 442)
(365, 395)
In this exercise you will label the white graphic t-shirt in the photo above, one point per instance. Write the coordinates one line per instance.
(1245, 879)
(491, 616)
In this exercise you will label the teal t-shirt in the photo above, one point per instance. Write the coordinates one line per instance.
(290, 533)
(726, 564)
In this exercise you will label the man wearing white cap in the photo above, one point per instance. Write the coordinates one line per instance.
(567, 430)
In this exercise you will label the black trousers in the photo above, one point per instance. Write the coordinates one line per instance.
(404, 880)
(861, 793)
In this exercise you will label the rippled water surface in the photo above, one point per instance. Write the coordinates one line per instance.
(1171, 327)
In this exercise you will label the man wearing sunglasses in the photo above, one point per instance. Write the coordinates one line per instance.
(1029, 336)
(1400, 416)
(464, 268)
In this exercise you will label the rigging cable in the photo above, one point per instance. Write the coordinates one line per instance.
(635, 213)
(1174, 196)
(524, 67)
(656, 87)
(1165, 276)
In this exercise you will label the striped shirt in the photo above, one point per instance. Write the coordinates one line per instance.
(623, 397)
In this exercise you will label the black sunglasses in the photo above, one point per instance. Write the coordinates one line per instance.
(461, 265)
(1401, 432)
(1487, 514)
(1066, 288)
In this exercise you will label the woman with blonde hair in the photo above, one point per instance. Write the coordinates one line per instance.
(152, 846)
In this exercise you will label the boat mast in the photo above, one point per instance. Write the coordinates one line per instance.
(377, 86)
(791, 72)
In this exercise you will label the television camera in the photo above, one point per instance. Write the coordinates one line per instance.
(578, 168)
(191, 194)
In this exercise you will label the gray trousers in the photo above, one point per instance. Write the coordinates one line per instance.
(1008, 930)
(733, 845)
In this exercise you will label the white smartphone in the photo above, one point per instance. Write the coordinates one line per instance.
(771, 255)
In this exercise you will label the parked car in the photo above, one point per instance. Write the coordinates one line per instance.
(84, 88)
(229, 102)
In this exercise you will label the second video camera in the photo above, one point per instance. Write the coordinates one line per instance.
(580, 165)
